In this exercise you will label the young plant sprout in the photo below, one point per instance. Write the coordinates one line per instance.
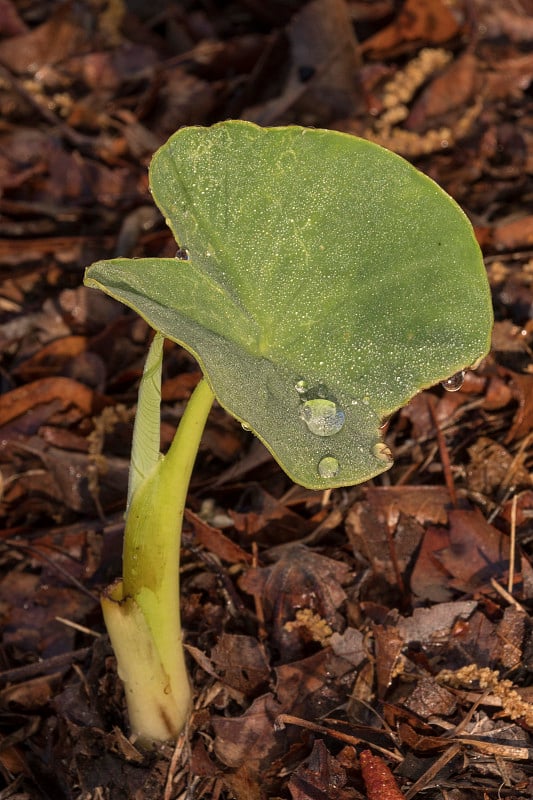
(321, 282)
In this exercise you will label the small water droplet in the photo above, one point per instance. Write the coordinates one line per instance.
(383, 452)
(182, 254)
(301, 386)
(328, 467)
(454, 383)
(385, 421)
(322, 417)
(245, 427)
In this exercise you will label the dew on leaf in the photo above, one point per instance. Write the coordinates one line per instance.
(322, 417)
(301, 386)
(454, 383)
(182, 254)
(245, 427)
(328, 467)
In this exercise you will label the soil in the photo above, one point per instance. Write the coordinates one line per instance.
(371, 642)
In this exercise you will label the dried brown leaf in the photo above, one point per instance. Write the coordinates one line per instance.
(249, 739)
(321, 777)
(240, 663)
(429, 21)
(299, 580)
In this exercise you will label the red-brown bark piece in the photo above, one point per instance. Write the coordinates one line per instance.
(11, 23)
(269, 520)
(389, 644)
(515, 234)
(52, 358)
(424, 503)
(477, 551)
(418, 20)
(522, 386)
(69, 392)
(379, 780)
(447, 92)
(465, 557)
(59, 37)
(217, 542)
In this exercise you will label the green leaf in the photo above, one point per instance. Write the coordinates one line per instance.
(327, 282)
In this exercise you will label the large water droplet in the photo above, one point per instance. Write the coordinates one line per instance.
(328, 467)
(383, 452)
(301, 386)
(454, 383)
(322, 417)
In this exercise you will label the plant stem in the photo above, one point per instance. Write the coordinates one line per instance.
(147, 599)
(151, 552)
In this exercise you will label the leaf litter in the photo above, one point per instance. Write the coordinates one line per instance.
(372, 642)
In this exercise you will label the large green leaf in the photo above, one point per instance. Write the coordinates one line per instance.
(321, 282)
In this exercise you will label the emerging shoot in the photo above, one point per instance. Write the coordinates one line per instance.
(321, 283)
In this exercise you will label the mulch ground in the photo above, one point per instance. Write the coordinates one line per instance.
(373, 642)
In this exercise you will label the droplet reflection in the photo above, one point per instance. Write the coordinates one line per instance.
(322, 417)
(454, 383)
(328, 467)
(383, 452)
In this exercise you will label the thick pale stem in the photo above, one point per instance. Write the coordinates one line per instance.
(146, 604)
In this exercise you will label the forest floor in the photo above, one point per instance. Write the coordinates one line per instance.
(410, 656)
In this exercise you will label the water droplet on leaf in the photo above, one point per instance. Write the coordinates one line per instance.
(245, 427)
(328, 467)
(322, 417)
(383, 452)
(182, 254)
(301, 386)
(454, 383)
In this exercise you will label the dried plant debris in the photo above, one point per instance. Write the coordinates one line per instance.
(372, 642)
